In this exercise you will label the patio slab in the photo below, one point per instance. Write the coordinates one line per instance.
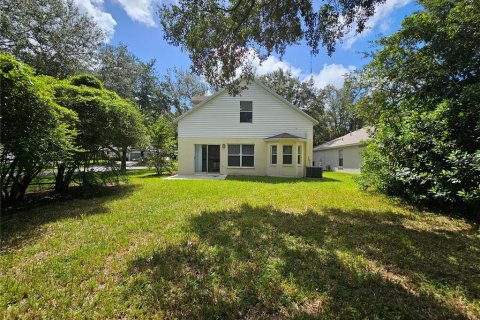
(197, 177)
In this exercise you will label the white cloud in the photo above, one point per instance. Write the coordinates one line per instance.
(333, 74)
(94, 8)
(139, 10)
(271, 64)
(380, 18)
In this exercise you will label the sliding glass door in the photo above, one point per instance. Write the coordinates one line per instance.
(207, 158)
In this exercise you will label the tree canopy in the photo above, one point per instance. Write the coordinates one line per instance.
(52, 36)
(35, 129)
(221, 36)
(422, 92)
(179, 86)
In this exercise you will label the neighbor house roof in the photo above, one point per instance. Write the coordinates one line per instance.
(354, 138)
(284, 136)
(210, 98)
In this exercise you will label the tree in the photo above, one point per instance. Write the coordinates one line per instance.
(52, 36)
(106, 121)
(149, 95)
(179, 86)
(118, 70)
(422, 97)
(220, 36)
(341, 115)
(162, 145)
(121, 71)
(126, 130)
(35, 130)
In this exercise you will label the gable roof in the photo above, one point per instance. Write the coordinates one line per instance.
(259, 83)
(350, 139)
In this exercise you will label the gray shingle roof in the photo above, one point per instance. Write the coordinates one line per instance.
(352, 138)
(284, 136)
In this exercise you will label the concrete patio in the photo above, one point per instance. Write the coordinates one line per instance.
(200, 176)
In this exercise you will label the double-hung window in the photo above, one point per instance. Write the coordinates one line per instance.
(273, 155)
(246, 111)
(241, 155)
(287, 154)
(299, 155)
(340, 158)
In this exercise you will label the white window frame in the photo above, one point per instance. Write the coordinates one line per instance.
(240, 119)
(299, 155)
(288, 154)
(241, 155)
(274, 154)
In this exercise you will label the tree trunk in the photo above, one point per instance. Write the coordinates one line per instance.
(63, 178)
(59, 182)
(123, 166)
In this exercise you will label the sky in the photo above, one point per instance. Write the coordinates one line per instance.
(136, 24)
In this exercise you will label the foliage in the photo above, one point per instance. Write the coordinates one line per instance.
(247, 247)
(423, 91)
(221, 36)
(106, 121)
(179, 86)
(162, 149)
(341, 114)
(52, 36)
(86, 80)
(122, 72)
(109, 176)
(118, 70)
(35, 130)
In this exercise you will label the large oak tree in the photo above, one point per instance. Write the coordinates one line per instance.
(222, 35)
(52, 36)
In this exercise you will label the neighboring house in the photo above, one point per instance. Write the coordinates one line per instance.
(342, 154)
(254, 133)
(134, 155)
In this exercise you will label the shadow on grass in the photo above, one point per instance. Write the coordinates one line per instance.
(259, 262)
(276, 180)
(23, 225)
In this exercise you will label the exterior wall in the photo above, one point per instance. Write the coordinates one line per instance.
(218, 122)
(262, 166)
(221, 117)
(352, 160)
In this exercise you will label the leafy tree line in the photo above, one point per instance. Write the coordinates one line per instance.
(422, 93)
(62, 123)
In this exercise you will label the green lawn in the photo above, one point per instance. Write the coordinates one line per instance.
(240, 248)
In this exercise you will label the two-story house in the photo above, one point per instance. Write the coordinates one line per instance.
(254, 133)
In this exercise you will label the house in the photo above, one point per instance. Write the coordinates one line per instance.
(343, 153)
(254, 133)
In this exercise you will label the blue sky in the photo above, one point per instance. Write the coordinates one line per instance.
(135, 23)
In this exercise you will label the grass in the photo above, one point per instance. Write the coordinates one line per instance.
(241, 248)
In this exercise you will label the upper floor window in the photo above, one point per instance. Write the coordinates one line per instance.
(246, 111)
